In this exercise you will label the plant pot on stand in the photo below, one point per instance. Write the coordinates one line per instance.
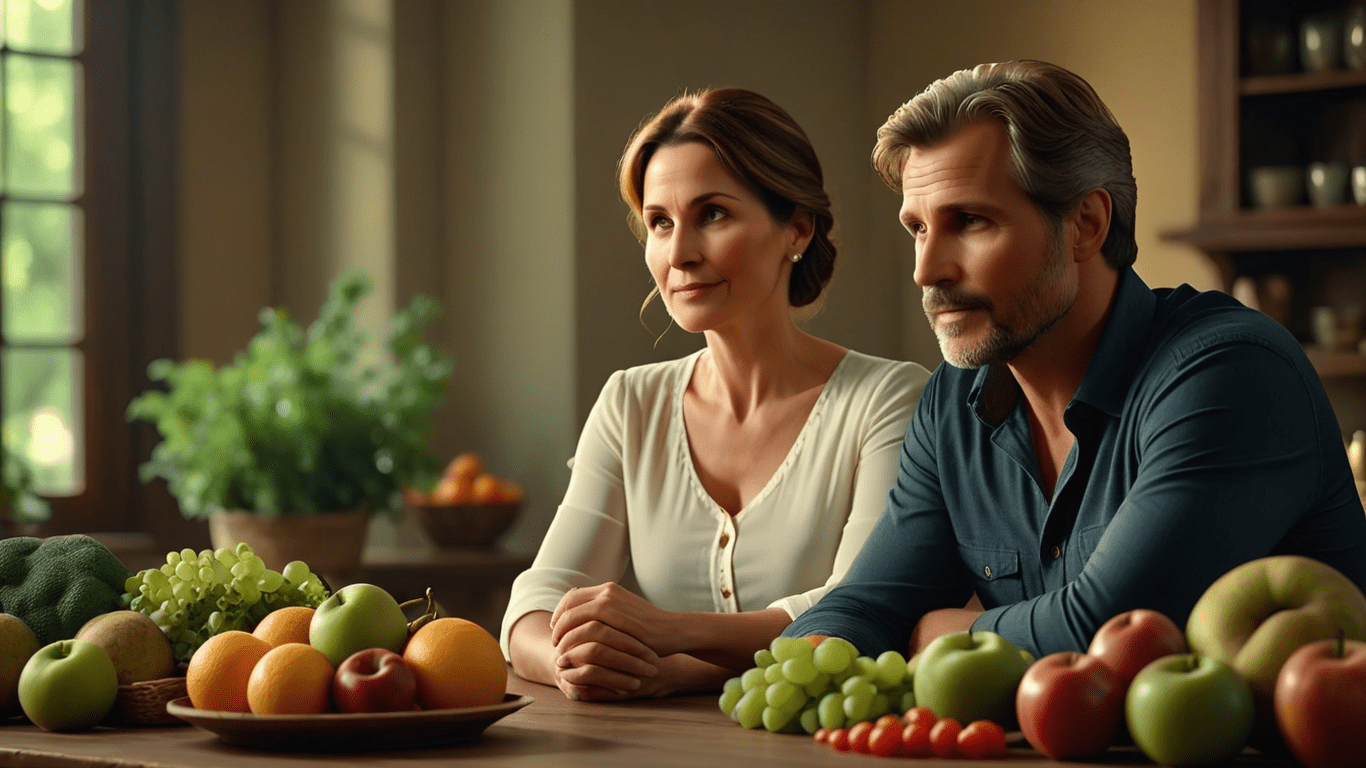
(329, 542)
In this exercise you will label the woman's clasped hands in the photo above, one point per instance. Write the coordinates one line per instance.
(612, 644)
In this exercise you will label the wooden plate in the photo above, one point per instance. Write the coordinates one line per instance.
(339, 731)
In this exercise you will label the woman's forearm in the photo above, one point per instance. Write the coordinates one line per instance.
(727, 639)
(530, 650)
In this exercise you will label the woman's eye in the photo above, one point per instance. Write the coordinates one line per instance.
(658, 222)
(713, 214)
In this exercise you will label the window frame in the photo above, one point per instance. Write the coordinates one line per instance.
(128, 85)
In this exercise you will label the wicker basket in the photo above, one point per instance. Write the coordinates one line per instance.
(144, 703)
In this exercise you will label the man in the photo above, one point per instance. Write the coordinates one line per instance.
(1093, 445)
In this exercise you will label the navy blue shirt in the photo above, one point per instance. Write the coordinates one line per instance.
(1203, 440)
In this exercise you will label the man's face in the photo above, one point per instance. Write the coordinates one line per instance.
(994, 273)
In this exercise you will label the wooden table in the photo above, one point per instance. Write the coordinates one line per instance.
(686, 732)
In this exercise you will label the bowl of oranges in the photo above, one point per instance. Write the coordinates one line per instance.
(469, 507)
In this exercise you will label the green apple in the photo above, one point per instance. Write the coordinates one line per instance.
(356, 617)
(69, 685)
(17, 644)
(1187, 709)
(1257, 614)
(970, 676)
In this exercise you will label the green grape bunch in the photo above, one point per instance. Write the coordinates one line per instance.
(195, 596)
(796, 686)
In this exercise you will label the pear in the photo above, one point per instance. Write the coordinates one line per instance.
(17, 644)
(137, 646)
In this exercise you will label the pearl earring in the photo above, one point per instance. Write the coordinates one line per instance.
(796, 257)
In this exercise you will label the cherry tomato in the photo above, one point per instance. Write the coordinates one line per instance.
(839, 740)
(944, 737)
(858, 736)
(982, 738)
(821, 735)
(885, 738)
(890, 721)
(915, 739)
(915, 714)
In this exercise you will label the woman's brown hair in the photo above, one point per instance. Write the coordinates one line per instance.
(764, 147)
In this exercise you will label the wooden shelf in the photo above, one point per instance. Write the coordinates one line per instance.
(1302, 82)
(1336, 365)
(1295, 228)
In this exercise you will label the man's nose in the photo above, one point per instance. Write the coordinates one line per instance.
(935, 261)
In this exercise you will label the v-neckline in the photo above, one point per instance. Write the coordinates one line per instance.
(685, 448)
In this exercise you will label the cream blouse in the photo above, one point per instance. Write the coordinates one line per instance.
(636, 513)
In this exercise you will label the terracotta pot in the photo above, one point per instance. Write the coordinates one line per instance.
(330, 543)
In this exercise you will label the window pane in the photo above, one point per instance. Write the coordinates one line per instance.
(41, 26)
(43, 420)
(40, 158)
(41, 264)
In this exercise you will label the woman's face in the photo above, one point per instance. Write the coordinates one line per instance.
(714, 250)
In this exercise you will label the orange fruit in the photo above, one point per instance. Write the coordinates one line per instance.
(219, 670)
(291, 679)
(466, 465)
(509, 492)
(285, 625)
(486, 489)
(452, 490)
(457, 664)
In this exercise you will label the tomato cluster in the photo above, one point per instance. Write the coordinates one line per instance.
(918, 733)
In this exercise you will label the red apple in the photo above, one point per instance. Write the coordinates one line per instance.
(374, 680)
(1129, 641)
(1320, 702)
(1070, 705)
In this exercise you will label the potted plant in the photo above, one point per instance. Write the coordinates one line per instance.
(20, 508)
(299, 440)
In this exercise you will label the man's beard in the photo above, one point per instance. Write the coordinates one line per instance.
(1042, 303)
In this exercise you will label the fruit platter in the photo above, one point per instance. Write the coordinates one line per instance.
(216, 640)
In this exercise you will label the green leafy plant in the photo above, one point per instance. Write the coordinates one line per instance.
(298, 422)
(18, 502)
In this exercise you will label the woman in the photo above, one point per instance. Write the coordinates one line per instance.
(728, 489)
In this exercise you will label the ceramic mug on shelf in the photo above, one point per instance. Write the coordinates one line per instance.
(1321, 38)
(1325, 326)
(1327, 184)
(1354, 37)
(1276, 186)
(1359, 184)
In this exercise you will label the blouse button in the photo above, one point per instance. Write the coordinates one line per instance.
(725, 592)
(987, 571)
(725, 539)
(1056, 552)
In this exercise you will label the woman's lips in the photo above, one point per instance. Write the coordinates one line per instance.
(693, 288)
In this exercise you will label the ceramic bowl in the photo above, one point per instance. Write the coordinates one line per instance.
(1276, 186)
(469, 526)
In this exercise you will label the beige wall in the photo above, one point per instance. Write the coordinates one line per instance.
(468, 149)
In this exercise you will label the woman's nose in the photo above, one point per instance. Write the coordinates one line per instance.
(684, 248)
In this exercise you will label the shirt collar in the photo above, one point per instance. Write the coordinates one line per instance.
(1106, 384)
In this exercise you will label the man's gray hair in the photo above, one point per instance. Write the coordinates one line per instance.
(1064, 140)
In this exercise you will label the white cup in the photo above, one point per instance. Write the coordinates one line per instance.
(1327, 184)
(1359, 184)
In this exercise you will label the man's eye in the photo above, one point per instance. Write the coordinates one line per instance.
(970, 219)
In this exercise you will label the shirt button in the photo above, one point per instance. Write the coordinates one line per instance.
(1056, 552)
(987, 571)
(725, 592)
(725, 539)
